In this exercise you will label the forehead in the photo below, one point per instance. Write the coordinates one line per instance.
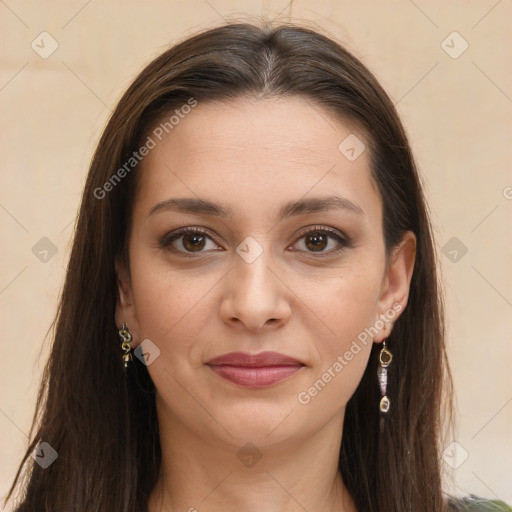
(257, 154)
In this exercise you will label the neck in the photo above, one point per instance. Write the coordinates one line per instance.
(214, 475)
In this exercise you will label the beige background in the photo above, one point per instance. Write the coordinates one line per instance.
(457, 112)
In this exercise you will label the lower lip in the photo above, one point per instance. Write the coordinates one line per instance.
(260, 377)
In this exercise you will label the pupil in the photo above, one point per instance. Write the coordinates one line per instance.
(318, 241)
(194, 245)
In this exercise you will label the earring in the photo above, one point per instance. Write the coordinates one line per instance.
(126, 337)
(385, 358)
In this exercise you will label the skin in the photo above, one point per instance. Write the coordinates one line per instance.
(255, 155)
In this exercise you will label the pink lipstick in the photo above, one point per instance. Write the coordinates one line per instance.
(255, 370)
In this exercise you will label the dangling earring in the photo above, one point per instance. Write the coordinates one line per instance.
(126, 337)
(385, 358)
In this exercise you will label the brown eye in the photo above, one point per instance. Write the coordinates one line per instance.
(187, 241)
(193, 241)
(317, 241)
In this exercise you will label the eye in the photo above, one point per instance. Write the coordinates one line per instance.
(190, 240)
(187, 240)
(316, 240)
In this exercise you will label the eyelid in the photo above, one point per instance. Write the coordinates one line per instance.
(317, 227)
(174, 235)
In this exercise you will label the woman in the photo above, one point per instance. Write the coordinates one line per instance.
(251, 317)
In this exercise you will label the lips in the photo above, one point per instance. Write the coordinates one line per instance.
(255, 370)
(263, 359)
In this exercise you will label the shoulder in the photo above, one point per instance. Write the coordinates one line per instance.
(473, 503)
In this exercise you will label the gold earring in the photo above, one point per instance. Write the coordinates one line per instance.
(126, 337)
(385, 359)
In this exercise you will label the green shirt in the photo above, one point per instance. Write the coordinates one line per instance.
(475, 504)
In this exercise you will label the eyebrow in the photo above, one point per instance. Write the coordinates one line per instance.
(293, 208)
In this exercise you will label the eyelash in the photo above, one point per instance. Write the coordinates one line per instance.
(167, 239)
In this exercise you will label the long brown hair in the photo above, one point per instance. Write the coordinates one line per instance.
(103, 423)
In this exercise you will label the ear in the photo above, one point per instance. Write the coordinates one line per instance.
(125, 306)
(396, 283)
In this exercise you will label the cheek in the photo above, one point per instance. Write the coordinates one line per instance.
(342, 355)
(349, 304)
(335, 384)
(166, 300)
(349, 310)
(171, 312)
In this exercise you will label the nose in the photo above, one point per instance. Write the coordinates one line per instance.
(255, 295)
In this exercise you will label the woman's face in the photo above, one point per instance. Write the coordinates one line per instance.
(258, 176)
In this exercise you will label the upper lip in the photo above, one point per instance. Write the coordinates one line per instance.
(262, 359)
